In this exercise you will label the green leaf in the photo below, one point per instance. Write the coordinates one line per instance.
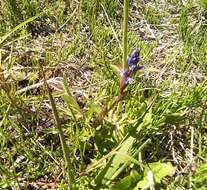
(124, 184)
(160, 170)
(204, 4)
(71, 102)
(128, 182)
(116, 69)
(106, 175)
(93, 108)
(147, 120)
(69, 99)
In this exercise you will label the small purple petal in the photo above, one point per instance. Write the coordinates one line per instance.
(124, 73)
(129, 80)
(133, 68)
(136, 68)
(134, 58)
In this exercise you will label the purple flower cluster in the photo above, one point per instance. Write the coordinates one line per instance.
(134, 58)
(133, 68)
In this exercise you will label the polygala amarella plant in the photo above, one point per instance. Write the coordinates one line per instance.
(125, 80)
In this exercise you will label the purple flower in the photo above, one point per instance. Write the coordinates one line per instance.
(134, 58)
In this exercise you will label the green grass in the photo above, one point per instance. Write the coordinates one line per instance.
(159, 128)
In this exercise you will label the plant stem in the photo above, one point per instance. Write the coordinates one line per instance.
(125, 31)
(106, 109)
(118, 100)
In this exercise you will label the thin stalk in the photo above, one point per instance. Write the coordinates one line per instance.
(191, 156)
(125, 35)
(106, 110)
(61, 135)
(121, 95)
(125, 32)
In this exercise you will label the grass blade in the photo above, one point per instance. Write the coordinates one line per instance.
(3, 38)
(60, 131)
